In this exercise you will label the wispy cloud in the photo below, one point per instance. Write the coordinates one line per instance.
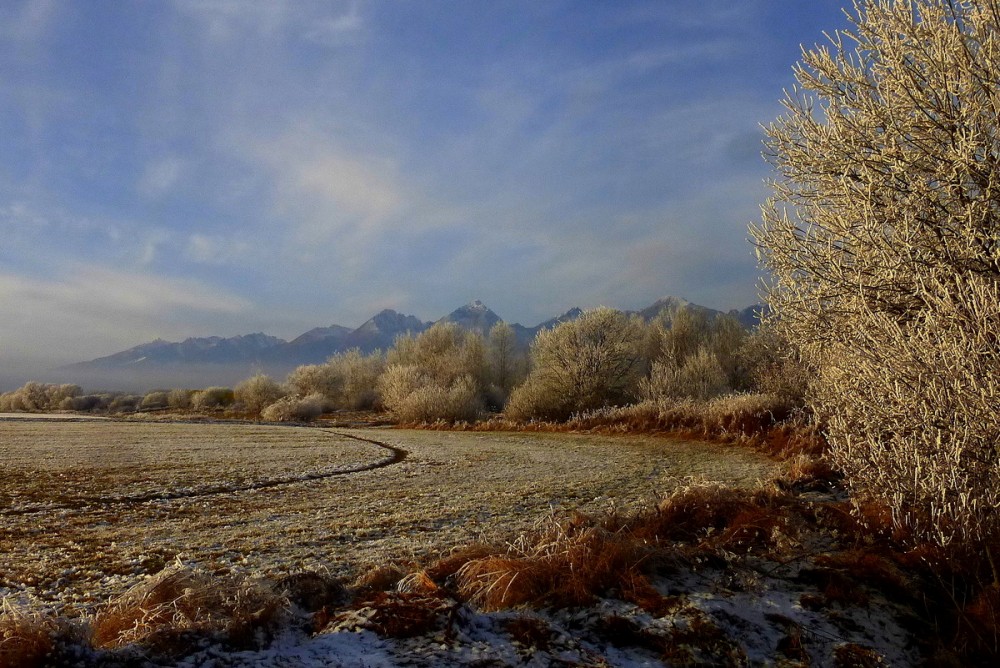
(325, 192)
(24, 23)
(336, 30)
(160, 176)
(205, 249)
(225, 20)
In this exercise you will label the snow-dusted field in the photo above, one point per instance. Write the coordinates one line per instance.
(88, 508)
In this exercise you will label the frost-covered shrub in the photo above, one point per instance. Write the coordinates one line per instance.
(584, 364)
(701, 376)
(360, 375)
(415, 398)
(534, 400)
(179, 398)
(33, 397)
(347, 379)
(212, 397)
(440, 375)
(881, 238)
(773, 366)
(85, 403)
(444, 353)
(507, 364)
(125, 403)
(295, 409)
(315, 379)
(154, 400)
(257, 392)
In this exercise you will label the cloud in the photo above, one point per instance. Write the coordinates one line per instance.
(349, 184)
(207, 249)
(337, 30)
(324, 191)
(225, 20)
(28, 23)
(160, 176)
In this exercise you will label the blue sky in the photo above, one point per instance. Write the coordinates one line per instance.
(196, 167)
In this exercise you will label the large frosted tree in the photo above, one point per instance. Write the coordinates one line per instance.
(882, 239)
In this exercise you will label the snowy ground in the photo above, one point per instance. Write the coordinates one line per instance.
(758, 621)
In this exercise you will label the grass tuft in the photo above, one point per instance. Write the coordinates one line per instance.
(172, 609)
(29, 638)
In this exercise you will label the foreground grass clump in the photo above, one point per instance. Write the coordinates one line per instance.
(171, 609)
(566, 563)
(30, 638)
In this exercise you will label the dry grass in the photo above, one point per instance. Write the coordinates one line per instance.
(29, 638)
(570, 562)
(560, 562)
(768, 422)
(167, 610)
(565, 566)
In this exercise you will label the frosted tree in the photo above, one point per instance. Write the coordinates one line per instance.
(883, 244)
(587, 363)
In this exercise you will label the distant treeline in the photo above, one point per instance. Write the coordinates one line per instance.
(603, 359)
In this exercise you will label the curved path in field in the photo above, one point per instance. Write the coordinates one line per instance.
(92, 507)
(395, 456)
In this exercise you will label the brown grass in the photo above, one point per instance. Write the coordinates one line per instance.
(716, 515)
(378, 577)
(562, 564)
(767, 422)
(165, 612)
(406, 615)
(569, 563)
(28, 638)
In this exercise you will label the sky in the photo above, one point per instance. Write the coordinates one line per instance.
(176, 168)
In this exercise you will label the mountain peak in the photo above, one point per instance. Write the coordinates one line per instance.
(474, 316)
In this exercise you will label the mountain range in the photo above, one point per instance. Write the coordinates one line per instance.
(202, 361)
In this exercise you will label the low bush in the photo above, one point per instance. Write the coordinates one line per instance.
(180, 399)
(315, 379)
(584, 364)
(35, 397)
(347, 379)
(257, 393)
(296, 409)
(413, 397)
(85, 403)
(700, 376)
(773, 365)
(360, 374)
(535, 400)
(212, 398)
(124, 403)
(155, 400)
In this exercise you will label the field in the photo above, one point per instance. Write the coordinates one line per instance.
(89, 507)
